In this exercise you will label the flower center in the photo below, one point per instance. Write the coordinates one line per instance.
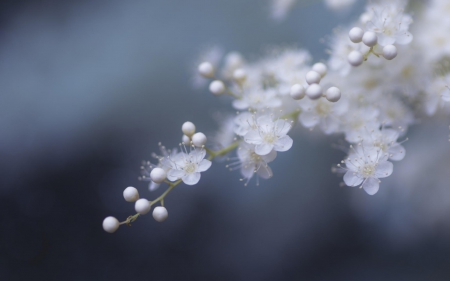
(190, 168)
(270, 138)
(323, 108)
(255, 157)
(368, 170)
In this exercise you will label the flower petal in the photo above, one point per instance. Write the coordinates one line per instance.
(265, 172)
(248, 171)
(384, 169)
(153, 186)
(283, 144)
(203, 165)
(263, 149)
(371, 185)
(191, 179)
(253, 137)
(282, 127)
(174, 175)
(352, 179)
(269, 157)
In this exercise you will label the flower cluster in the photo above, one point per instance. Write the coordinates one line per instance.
(371, 106)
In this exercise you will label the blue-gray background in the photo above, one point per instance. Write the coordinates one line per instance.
(88, 89)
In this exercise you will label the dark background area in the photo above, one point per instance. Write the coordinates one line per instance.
(89, 88)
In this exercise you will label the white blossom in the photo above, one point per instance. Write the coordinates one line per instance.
(188, 167)
(269, 135)
(365, 166)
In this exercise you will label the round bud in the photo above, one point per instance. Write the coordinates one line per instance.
(130, 194)
(297, 92)
(199, 139)
(370, 39)
(240, 75)
(217, 87)
(160, 214)
(158, 175)
(313, 77)
(206, 70)
(110, 224)
(186, 140)
(355, 58)
(314, 91)
(356, 34)
(333, 94)
(389, 52)
(320, 68)
(142, 206)
(188, 128)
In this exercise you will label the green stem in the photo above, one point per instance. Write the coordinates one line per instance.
(292, 115)
(213, 154)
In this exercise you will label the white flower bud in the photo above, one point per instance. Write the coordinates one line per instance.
(142, 206)
(356, 34)
(313, 77)
(158, 175)
(186, 140)
(333, 94)
(389, 52)
(160, 214)
(199, 139)
(110, 224)
(320, 68)
(297, 92)
(240, 75)
(370, 38)
(188, 128)
(217, 87)
(355, 58)
(314, 91)
(206, 70)
(130, 194)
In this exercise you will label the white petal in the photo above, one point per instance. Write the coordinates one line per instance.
(265, 172)
(253, 137)
(282, 127)
(384, 169)
(396, 152)
(203, 165)
(390, 135)
(153, 186)
(309, 119)
(283, 144)
(248, 171)
(371, 186)
(197, 154)
(384, 40)
(265, 121)
(174, 175)
(270, 157)
(352, 179)
(263, 149)
(404, 38)
(191, 179)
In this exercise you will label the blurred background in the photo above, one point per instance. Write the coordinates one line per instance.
(89, 88)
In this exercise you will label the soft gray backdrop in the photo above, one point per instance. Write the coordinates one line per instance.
(88, 89)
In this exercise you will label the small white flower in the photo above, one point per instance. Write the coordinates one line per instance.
(251, 163)
(365, 167)
(244, 123)
(386, 141)
(323, 113)
(390, 24)
(269, 135)
(188, 167)
(359, 121)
